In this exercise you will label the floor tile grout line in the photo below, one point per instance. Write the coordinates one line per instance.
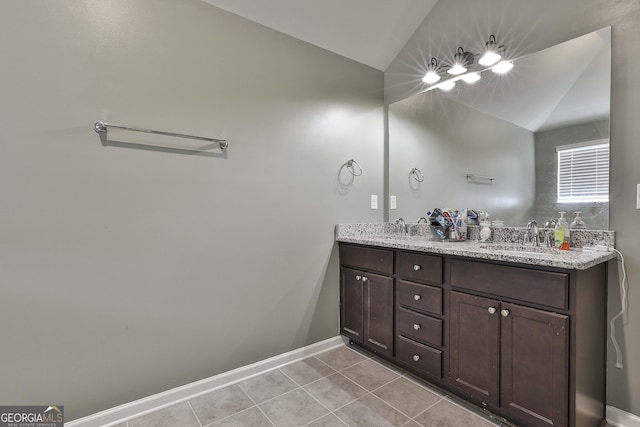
(425, 410)
(349, 379)
(323, 405)
(355, 364)
(337, 370)
(258, 406)
(194, 413)
(294, 381)
(377, 363)
(414, 381)
(385, 384)
(230, 415)
(393, 407)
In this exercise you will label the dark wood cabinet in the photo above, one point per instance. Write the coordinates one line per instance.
(527, 343)
(366, 299)
(474, 346)
(534, 365)
(378, 312)
(352, 304)
(512, 357)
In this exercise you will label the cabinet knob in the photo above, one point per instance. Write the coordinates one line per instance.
(416, 267)
(358, 277)
(505, 312)
(364, 278)
(416, 326)
(491, 310)
(416, 357)
(417, 297)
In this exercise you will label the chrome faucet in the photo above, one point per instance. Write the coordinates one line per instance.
(400, 222)
(549, 233)
(532, 226)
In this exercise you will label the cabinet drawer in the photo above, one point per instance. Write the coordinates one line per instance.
(419, 356)
(420, 327)
(535, 286)
(427, 268)
(367, 258)
(420, 297)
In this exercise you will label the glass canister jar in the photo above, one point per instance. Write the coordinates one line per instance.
(485, 230)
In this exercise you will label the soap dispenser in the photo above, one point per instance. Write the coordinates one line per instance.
(561, 233)
(577, 223)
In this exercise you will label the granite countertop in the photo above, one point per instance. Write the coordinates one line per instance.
(573, 259)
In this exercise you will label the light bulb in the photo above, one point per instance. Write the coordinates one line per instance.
(489, 58)
(471, 77)
(447, 85)
(431, 77)
(456, 69)
(502, 67)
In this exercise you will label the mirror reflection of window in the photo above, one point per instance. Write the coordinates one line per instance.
(583, 172)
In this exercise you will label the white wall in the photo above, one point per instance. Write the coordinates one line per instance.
(125, 272)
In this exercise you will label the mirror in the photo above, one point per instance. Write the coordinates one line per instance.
(491, 145)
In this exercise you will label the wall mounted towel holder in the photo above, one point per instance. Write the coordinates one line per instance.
(101, 127)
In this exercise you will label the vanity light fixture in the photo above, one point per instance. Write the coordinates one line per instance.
(502, 67)
(471, 78)
(491, 55)
(462, 66)
(446, 85)
(432, 76)
(461, 60)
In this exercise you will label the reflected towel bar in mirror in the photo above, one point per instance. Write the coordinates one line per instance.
(474, 178)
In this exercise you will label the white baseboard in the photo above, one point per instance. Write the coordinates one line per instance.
(148, 404)
(618, 417)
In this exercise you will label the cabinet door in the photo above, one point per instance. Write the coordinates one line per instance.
(378, 306)
(475, 346)
(535, 365)
(351, 304)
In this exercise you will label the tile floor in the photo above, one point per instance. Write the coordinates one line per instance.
(339, 387)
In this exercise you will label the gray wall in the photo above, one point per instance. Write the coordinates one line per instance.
(447, 140)
(126, 272)
(529, 26)
(595, 215)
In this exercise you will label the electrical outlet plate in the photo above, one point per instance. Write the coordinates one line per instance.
(392, 202)
(374, 201)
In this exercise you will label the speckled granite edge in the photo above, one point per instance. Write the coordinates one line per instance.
(419, 239)
(579, 238)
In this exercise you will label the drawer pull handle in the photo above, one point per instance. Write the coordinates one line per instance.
(364, 278)
(417, 297)
(416, 357)
(505, 313)
(491, 310)
(416, 267)
(416, 326)
(358, 277)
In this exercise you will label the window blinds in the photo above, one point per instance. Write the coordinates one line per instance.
(583, 172)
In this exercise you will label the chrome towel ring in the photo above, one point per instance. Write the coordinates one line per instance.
(416, 174)
(350, 166)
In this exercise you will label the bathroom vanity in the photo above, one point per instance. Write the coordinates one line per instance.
(518, 332)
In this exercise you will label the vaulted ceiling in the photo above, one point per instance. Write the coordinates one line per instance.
(562, 86)
(371, 32)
